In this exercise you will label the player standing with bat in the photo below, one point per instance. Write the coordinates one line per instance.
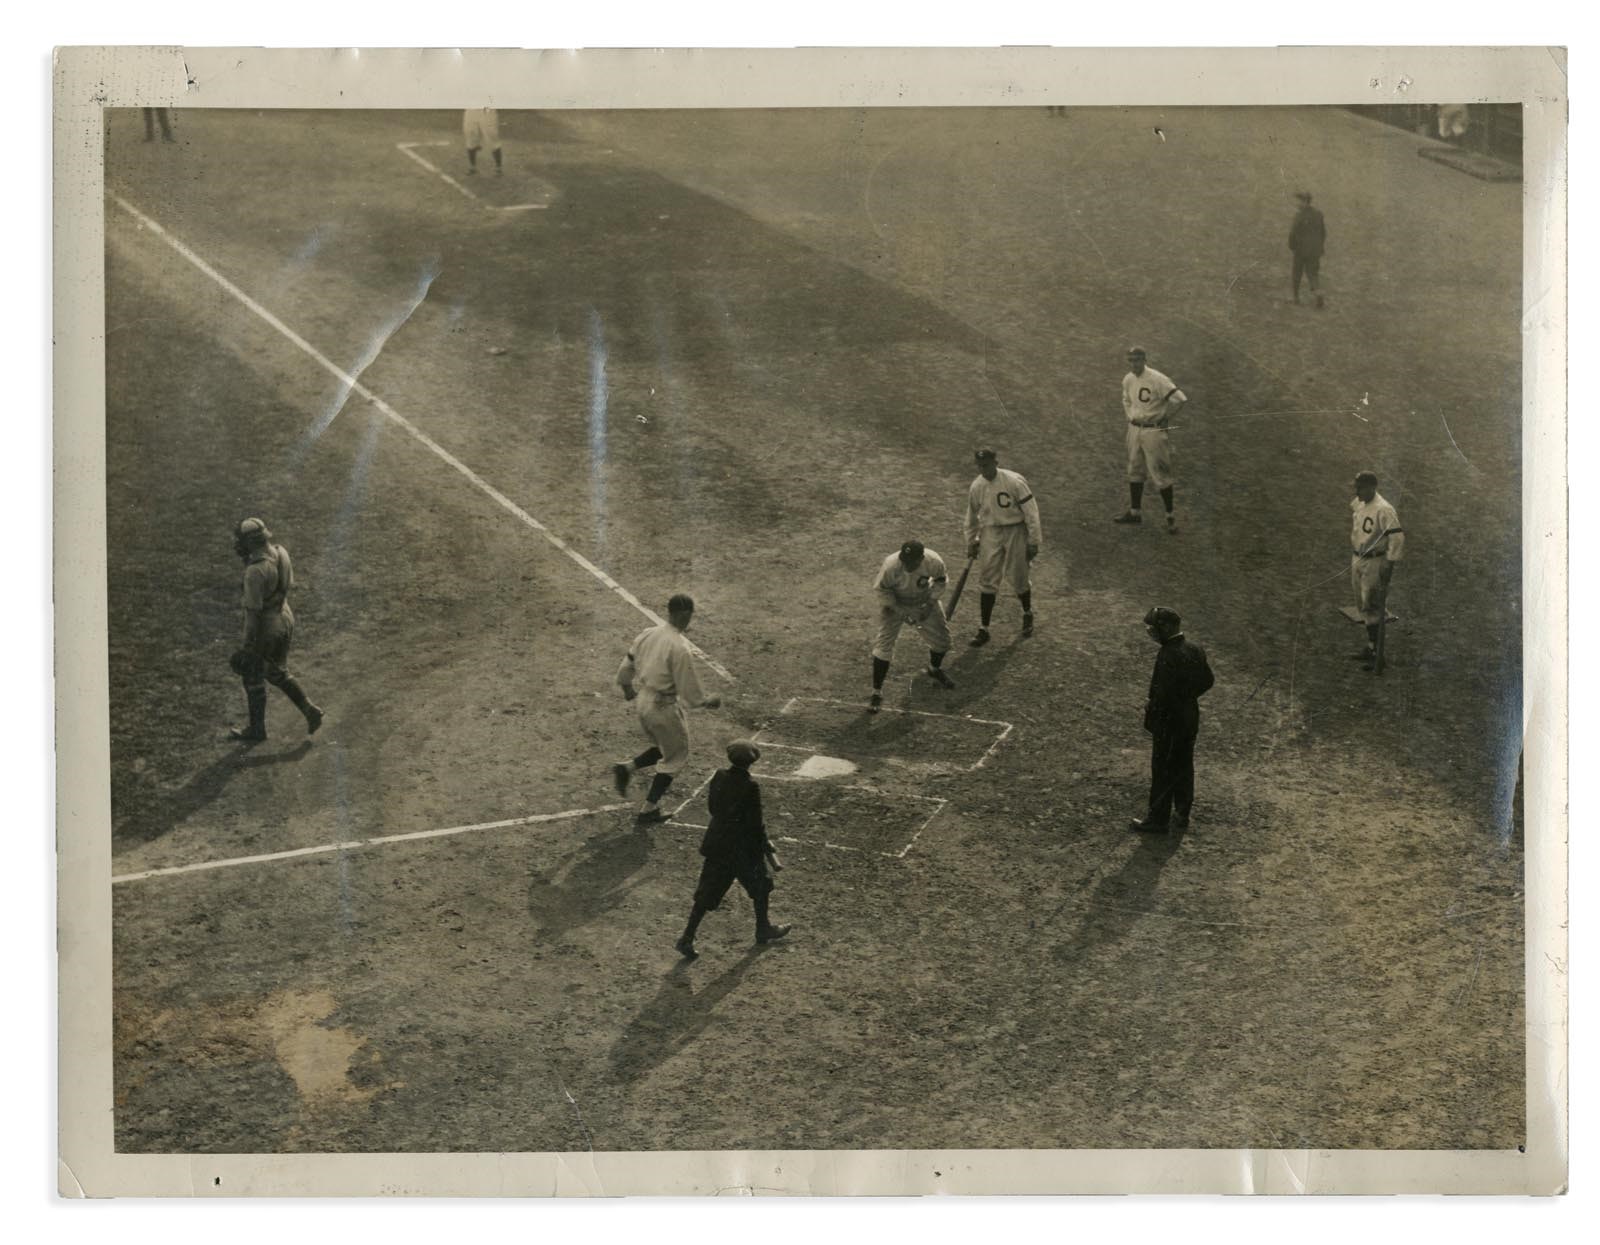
(1377, 542)
(1003, 529)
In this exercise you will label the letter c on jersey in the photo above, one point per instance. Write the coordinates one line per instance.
(1144, 393)
(1003, 500)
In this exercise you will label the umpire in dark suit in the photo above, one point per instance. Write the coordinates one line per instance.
(1172, 716)
(736, 848)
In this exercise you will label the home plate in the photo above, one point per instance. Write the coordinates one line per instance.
(825, 767)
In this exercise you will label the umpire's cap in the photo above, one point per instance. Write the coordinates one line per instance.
(911, 552)
(1161, 616)
(743, 753)
(1367, 477)
(252, 532)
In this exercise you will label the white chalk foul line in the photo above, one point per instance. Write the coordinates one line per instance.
(351, 845)
(438, 172)
(353, 385)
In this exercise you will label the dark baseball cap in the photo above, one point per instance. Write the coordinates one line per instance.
(912, 551)
(1161, 616)
(1367, 477)
(984, 453)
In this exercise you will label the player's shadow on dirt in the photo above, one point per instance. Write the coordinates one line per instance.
(598, 882)
(170, 809)
(1121, 900)
(672, 1020)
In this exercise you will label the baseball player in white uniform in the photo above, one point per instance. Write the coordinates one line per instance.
(659, 671)
(1003, 526)
(1149, 400)
(1377, 542)
(909, 585)
(480, 127)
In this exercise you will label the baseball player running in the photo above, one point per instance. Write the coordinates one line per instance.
(659, 671)
(1377, 542)
(1002, 525)
(909, 585)
(1149, 400)
(480, 127)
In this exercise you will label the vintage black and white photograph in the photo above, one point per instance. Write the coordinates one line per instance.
(636, 627)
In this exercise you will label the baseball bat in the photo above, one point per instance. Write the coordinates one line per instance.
(955, 597)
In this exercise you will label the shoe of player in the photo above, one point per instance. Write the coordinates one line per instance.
(1128, 516)
(875, 703)
(772, 933)
(979, 640)
(314, 716)
(1146, 826)
(620, 774)
(246, 734)
(1027, 625)
(685, 948)
(1179, 822)
(1172, 525)
(1320, 303)
(650, 817)
(940, 677)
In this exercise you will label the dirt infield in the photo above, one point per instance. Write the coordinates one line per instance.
(745, 355)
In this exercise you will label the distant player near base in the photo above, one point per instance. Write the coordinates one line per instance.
(909, 585)
(1308, 237)
(1377, 542)
(736, 849)
(480, 127)
(1149, 401)
(267, 631)
(1003, 529)
(659, 672)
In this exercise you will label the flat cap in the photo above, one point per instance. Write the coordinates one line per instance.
(1161, 616)
(743, 753)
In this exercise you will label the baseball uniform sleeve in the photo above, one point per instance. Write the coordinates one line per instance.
(685, 677)
(886, 596)
(938, 577)
(1029, 505)
(1127, 396)
(1389, 522)
(626, 673)
(969, 530)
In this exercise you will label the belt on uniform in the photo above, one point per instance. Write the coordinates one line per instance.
(1370, 553)
(1134, 423)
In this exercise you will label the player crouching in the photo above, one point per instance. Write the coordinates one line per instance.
(909, 585)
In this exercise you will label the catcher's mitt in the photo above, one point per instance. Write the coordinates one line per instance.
(245, 664)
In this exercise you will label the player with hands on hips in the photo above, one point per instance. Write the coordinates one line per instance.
(1377, 542)
(659, 672)
(1002, 526)
(1149, 401)
(909, 587)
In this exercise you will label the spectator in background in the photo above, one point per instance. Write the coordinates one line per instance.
(1307, 237)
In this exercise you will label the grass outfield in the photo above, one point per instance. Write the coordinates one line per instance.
(745, 355)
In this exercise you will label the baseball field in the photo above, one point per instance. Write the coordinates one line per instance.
(498, 421)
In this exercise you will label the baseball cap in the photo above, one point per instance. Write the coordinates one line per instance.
(1367, 477)
(911, 551)
(252, 530)
(743, 752)
(1303, 195)
(980, 455)
(1162, 616)
(1136, 350)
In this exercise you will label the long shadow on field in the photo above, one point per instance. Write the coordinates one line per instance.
(674, 1018)
(168, 810)
(1122, 899)
(595, 885)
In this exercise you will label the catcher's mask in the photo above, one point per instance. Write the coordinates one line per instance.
(250, 534)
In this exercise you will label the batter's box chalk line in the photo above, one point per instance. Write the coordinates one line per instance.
(938, 802)
(1004, 729)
